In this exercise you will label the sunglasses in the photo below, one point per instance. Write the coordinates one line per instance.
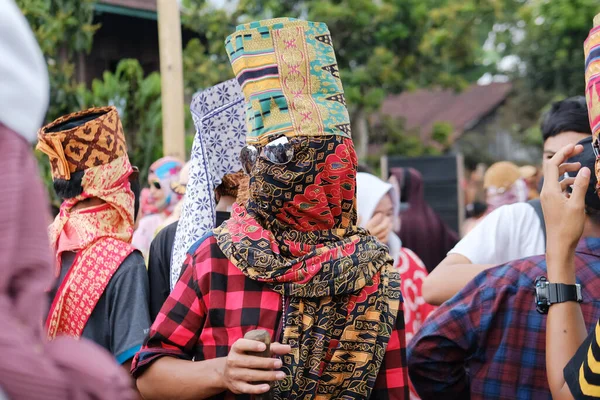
(280, 151)
(156, 185)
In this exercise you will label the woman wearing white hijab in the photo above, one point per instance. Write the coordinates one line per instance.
(378, 204)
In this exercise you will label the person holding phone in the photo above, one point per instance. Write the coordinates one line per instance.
(571, 358)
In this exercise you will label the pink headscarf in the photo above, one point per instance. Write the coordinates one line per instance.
(498, 197)
(30, 367)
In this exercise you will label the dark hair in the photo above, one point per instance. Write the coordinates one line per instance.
(67, 189)
(567, 115)
(136, 188)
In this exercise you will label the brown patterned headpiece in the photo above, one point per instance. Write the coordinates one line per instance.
(82, 140)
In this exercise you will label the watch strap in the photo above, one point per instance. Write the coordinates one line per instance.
(561, 292)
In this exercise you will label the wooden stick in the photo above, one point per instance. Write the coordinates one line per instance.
(261, 336)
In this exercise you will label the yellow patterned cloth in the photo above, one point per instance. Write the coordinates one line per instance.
(290, 78)
(76, 148)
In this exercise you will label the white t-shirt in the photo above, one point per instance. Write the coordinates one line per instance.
(508, 233)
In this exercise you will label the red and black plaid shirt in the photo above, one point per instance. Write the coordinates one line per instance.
(214, 304)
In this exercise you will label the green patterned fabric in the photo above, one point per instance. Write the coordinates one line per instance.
(290, 78)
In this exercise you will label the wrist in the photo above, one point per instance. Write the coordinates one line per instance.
(561, 267)
(219, 371)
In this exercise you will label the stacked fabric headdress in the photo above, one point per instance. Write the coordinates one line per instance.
(82, 140)
(592, 81)
(289, 75)
(218, 114)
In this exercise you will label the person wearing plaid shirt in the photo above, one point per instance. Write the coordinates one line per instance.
(291, 260)
(488, 341)
(214, 304)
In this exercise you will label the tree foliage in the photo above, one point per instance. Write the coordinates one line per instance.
(139, 103)
(548, 37)
(382, 47)
(64, 29)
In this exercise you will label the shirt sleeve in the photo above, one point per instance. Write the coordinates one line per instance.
(480, 245)
(438, 352)
(582, 373)
(392, 380)
(178, 325)
(129, 318)
(508, 233)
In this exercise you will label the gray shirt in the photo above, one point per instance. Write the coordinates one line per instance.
(121, 319)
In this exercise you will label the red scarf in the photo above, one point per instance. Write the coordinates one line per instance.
(100, 235)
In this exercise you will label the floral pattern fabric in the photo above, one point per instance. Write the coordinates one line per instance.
(218, 115)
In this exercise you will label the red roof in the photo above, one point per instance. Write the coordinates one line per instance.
(149, 5)
(424, 107)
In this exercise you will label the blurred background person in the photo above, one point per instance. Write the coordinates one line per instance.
(163, 199)
(531, 176)
(423, 231)
(377, 205)
(503, 185)
(30, 366)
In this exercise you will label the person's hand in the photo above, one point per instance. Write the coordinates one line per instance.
(380, 226)
(564, 214)
(246, 374)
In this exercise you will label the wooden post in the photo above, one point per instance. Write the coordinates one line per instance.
(171, 72)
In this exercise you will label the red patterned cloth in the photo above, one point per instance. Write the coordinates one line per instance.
(412, 273)
(214, 304)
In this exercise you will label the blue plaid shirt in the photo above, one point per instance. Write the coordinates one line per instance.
(488, 341)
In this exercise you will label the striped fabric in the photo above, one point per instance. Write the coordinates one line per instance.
(592, 76)
(289, 75)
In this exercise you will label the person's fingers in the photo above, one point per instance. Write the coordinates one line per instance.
(377, 230)
(582, 181)
(280, 349)
(565, 183)
(255, 375)
(254, 362)
(246, 388)
(375, 220)
(569, 167)
(246, 345)
(551, 166)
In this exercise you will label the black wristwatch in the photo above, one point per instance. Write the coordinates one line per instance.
(547, 293)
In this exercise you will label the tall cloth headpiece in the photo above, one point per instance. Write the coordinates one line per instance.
(289, 75)
(91, 142)
(298, 234)
(591, 49)
(218, 114)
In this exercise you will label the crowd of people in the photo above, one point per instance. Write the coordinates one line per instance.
(357, 287)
